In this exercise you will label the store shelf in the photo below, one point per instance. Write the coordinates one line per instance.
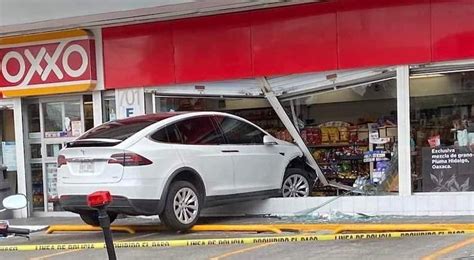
(351, 158)
(335, 145)
(341, 161)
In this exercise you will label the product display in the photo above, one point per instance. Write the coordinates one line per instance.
(37, 186)
(443, 147)
(344, 151)
(51, 171)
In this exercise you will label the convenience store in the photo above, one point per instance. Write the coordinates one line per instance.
(370, 97)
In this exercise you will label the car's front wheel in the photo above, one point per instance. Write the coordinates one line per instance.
(92, 218)
(296, 183)
(183, 206)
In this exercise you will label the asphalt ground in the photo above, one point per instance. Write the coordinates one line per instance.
(438, 247)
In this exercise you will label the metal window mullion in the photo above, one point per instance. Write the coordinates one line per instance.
(82, 113)
(43, 156)
(403, 123)
(153, 101)
(275, 103)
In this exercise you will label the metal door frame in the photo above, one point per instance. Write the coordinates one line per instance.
(45, 141)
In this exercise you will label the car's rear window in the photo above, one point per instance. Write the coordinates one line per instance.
(123, 129)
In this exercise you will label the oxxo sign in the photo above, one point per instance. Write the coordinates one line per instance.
(43, 64)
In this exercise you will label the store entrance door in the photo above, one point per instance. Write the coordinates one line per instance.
(8, 162)
(51, 123)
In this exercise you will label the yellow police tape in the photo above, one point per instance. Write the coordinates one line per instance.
(232, 241)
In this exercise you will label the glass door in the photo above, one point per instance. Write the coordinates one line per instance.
(51, 124)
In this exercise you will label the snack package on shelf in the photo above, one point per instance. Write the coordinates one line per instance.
(344, 134)
(334, 135)
(313, 136)
(284, 135)
(325, 133)
(353, 135)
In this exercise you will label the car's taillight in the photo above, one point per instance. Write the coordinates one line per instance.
(62, 160)
(129, 159)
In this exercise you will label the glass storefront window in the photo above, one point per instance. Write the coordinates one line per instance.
(188, 104)
(88, 112)
(33, 118)
(62, 119)
(53, 117)
(37, 186)
(352, 134)
(52, 150)
(442, 132)
(72, 111)
(51, 184)
(108, 109)
(35, 151)
(256, 110)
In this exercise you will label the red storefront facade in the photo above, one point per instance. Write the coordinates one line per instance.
(338, 35)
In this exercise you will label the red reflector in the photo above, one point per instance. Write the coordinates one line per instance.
(98, 199)
(62, 160)
(4, 225)
(129, 159)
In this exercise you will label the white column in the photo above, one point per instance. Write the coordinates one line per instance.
(99, 61)
(403, 115)
(20, 155)
(97, 107)
(99, 58)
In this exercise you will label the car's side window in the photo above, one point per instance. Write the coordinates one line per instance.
(160, 136)
(199, 130)
(239, 132)
(169, 134)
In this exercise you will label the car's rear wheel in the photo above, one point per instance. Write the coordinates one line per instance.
(92, 218)
(296, 183)
(183, 206)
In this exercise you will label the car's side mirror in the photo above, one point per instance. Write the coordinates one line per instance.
(17, 201)
(268, 140)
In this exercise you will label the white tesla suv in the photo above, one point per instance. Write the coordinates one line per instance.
(174, 164)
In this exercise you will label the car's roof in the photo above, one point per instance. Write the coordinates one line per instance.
(147, 118)
(164, 115)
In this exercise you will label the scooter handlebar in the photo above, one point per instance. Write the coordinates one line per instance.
(19, 231)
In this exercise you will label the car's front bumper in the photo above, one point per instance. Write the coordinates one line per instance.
(120, 204)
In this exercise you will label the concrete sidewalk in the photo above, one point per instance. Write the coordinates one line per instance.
(260, 220)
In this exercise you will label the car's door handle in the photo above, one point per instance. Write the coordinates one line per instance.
(230, 151)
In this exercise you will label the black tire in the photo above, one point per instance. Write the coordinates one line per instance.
(173, 220)
(295, 175)
(92, 218)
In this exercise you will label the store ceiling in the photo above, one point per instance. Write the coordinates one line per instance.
(28, 16)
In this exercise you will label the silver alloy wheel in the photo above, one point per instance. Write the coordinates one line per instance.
(295, 185)
(185, 205)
